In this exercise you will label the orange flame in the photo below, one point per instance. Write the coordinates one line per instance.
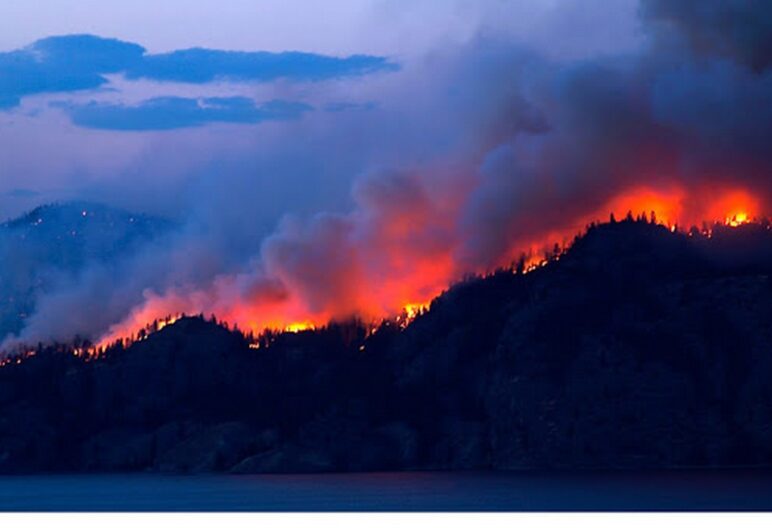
(681, 207)
(296, 328)
(416, 278)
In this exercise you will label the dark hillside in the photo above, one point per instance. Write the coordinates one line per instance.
(637, 348)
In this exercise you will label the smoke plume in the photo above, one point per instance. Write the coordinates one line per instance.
(469, 157)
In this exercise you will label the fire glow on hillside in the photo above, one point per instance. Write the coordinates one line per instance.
(415, 274)
(404, 297)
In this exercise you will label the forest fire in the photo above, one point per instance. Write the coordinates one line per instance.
(296, 328)
(681, 208)
(410, 312)
(167, 322)
(404, 290)
(673, 207)
(16, 359)
(414, 310)
(138, 333)
(737, 219)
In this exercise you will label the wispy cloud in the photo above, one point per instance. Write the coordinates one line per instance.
(167, 113)
(200, 65)
(80, 62)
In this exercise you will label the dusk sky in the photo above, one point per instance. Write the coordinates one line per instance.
(144, 169)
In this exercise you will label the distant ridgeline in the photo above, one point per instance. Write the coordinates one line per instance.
(638, 348)
(54, 243)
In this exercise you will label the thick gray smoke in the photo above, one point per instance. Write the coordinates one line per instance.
(465, 157)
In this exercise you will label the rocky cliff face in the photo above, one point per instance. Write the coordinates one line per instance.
(637, 348)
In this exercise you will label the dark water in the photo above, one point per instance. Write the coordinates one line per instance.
(524, 491)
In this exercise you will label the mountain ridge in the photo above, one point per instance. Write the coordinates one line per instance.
(56, 241)
(638, 347)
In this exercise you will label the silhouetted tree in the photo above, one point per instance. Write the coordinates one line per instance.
(520, 267)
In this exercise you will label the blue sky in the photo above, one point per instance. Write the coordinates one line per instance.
(339, 27)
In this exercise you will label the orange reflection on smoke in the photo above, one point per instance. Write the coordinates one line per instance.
(689, 207)
(666, 205)
(399, 268)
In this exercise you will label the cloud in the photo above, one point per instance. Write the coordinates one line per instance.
(167, 113)
(62, 64)
(80, 62)
(200, 65)
(9, 101)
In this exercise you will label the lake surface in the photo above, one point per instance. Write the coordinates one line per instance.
(433, 491)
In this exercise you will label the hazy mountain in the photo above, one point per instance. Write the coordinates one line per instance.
(54, 241)
(638, 348)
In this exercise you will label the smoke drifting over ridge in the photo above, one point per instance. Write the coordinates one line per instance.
(475, 155)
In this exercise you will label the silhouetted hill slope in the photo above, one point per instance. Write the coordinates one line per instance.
(637, 348)
(56, 241)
